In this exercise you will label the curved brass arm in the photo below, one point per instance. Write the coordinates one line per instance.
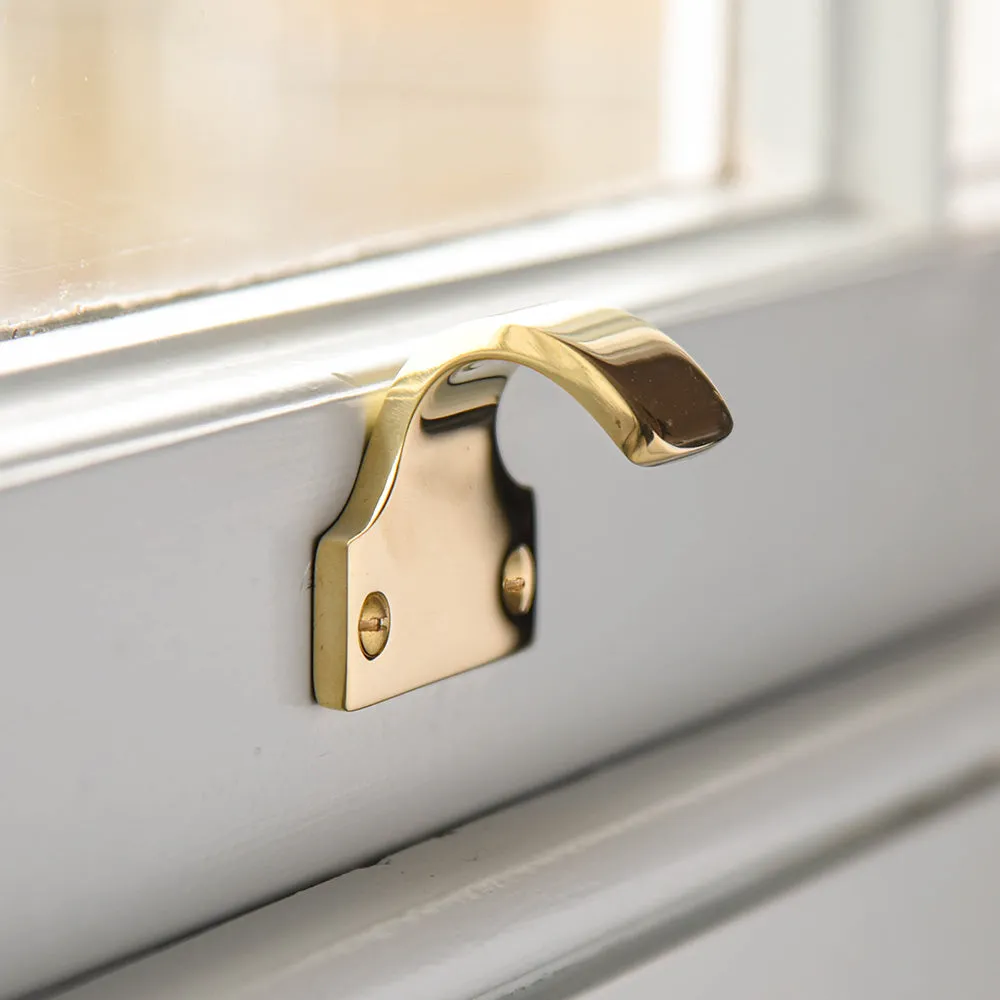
(429, 570)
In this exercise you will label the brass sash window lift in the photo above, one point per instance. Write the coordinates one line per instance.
(430, 569)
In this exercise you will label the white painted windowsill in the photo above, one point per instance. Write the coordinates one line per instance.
(80, 395)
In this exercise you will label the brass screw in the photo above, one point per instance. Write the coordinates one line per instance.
(517, 587)
(373, 624)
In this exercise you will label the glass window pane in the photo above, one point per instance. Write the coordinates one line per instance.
(154, 147)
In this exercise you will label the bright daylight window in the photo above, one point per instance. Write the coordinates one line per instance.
(161, 148)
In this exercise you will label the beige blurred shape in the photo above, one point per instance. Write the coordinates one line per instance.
(160, 147)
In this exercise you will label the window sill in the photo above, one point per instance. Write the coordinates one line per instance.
(80, 395)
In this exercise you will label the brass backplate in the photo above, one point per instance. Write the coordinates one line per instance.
(431, 569)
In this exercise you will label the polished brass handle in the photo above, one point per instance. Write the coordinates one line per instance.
(430, 570)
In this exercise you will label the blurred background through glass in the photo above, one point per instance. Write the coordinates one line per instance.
(157, 148)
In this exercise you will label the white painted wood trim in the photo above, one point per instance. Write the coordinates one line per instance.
(80, 396)
(784, 117)
(696, 43)
(663, 840)
(914, 916)
(889, 143)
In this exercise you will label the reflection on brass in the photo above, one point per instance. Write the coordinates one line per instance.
(436, 521)
(518, 584)
(373, 625)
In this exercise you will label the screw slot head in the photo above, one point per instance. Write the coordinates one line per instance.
(517, 587)
(373, 624)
